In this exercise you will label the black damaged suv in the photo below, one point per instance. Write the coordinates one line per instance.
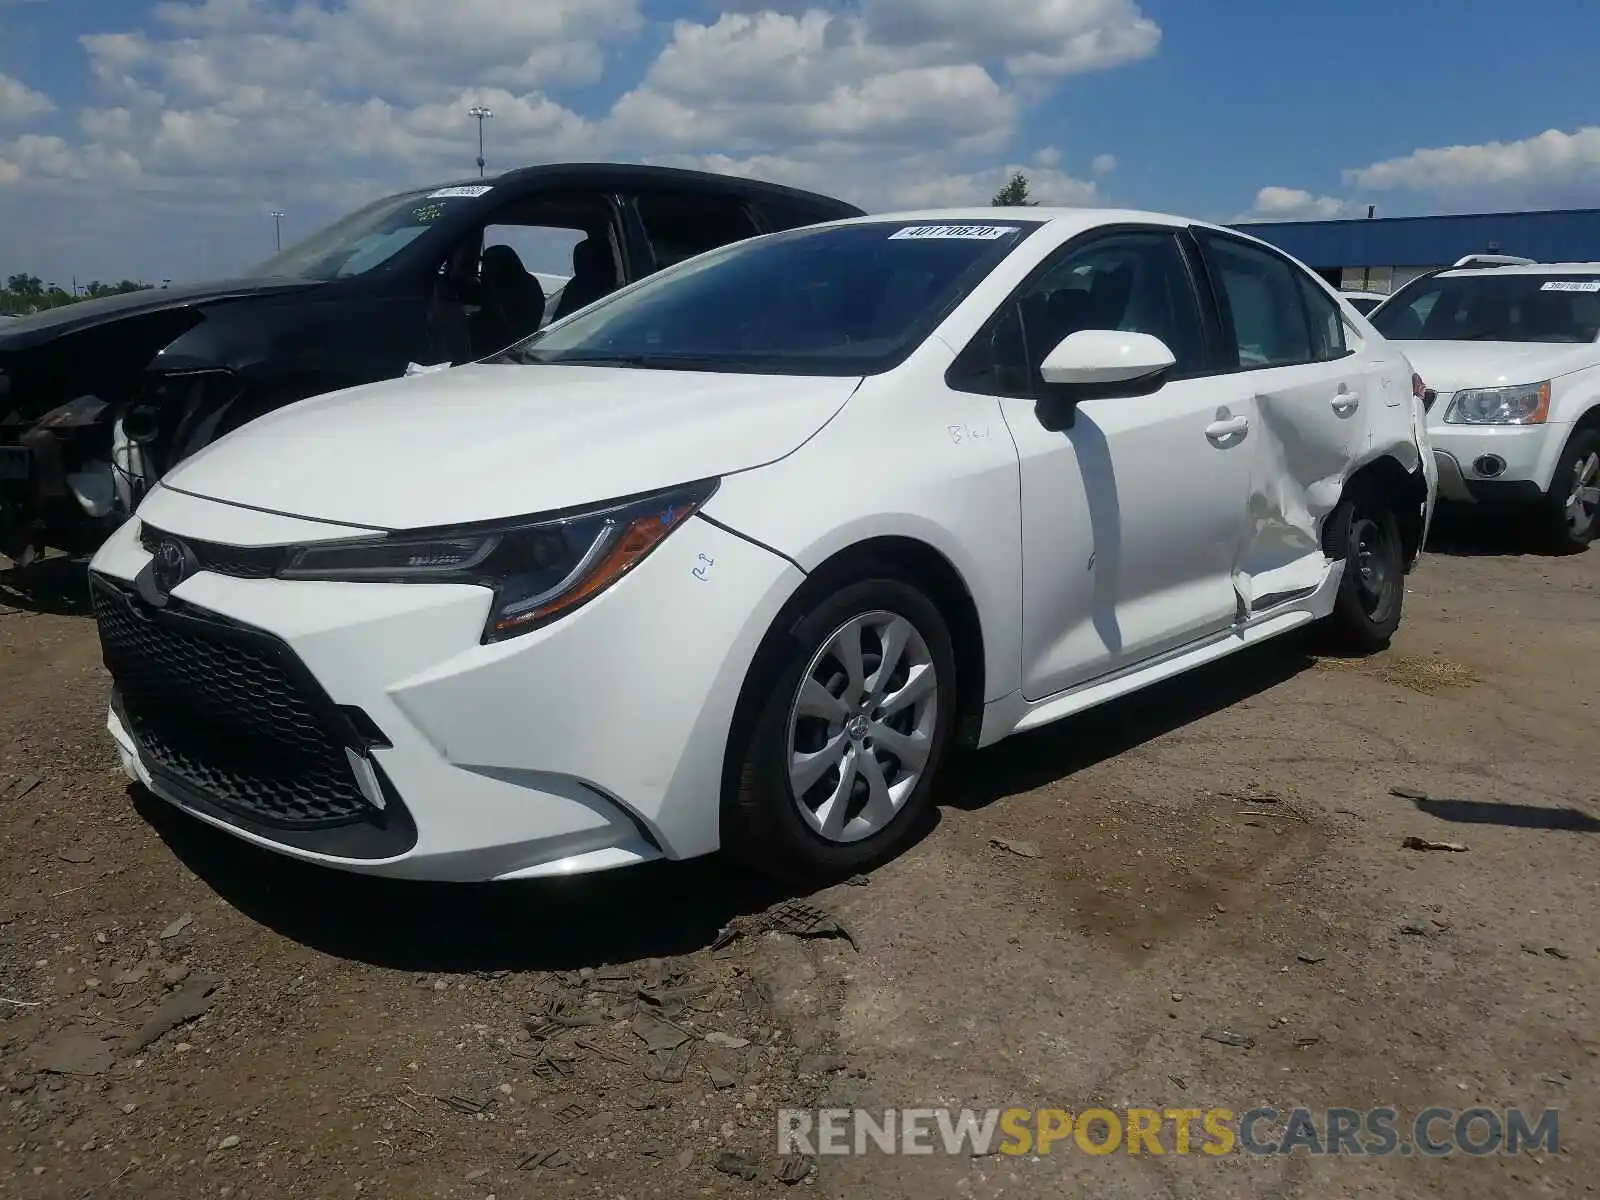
(98, 399)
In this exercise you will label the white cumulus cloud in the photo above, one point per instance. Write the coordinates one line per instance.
(19, 102)
(1294, 204)
(204, 115)
(1553, 166)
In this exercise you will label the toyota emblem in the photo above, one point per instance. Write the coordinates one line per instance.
(169, 565)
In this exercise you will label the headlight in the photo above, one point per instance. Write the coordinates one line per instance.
(539, 568)
(1526, 404)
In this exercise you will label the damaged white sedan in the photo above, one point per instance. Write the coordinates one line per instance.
(730, 558)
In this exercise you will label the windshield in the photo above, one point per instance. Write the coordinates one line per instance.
(830, 300)
(368, 237)
(1495, 308)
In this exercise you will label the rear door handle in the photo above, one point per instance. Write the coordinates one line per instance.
(1227, 429)
(1344, 404)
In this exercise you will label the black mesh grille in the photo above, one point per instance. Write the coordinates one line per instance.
(243, 562)
(229, 712)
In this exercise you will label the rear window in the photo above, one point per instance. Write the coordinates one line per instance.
(831, 300)
(1495, 308)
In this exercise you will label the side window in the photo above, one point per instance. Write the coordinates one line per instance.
(1327, 322)
(534, 260)
(1262, 308)
(1137, 282)
(680, 225)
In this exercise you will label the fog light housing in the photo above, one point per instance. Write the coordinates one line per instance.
(1489, 466)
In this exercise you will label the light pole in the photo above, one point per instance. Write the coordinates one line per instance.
(277, 229)
(482, 114)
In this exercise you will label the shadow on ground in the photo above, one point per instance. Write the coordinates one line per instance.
(54, 586)
(655, 910)
(1031, 760)
(1512, 816)
(1506, 534)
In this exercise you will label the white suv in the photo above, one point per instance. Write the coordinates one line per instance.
(1511, 353)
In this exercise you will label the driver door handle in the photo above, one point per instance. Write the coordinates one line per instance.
(1227, 429)
(1346, 403)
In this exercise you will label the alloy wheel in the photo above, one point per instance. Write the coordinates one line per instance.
(861, 726)
(1583, 505)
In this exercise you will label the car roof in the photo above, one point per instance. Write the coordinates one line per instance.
(1082, 218)
(1071, 221)
(637, 175)
(1570, 268)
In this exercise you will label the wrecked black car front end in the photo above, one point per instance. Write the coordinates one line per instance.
(99, 399)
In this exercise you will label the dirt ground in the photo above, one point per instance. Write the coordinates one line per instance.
(185, 1016)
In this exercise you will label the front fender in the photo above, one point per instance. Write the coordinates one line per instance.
(941, 470)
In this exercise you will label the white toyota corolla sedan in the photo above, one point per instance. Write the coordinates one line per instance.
(733, 556)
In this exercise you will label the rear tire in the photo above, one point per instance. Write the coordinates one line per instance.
(1365, 532)
(831, 762)
(1571, 508)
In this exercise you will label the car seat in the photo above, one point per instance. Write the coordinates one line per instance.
(513, 300)
(594, 274)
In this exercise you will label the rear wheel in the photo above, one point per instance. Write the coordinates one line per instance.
(844, 725)
(1365, 532)
(1572, 505)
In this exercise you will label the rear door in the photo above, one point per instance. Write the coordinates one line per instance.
(1313, 387)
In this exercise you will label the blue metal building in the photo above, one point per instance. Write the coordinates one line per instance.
(1381, 255)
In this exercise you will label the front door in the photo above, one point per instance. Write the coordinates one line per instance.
(1132, 510)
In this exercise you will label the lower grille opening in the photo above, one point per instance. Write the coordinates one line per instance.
(231, 714)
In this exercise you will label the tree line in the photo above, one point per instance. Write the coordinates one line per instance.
(24, 293)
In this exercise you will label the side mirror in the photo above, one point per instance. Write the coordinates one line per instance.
(1096, 358)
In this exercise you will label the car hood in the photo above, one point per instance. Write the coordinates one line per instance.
(483, 442)
(1451, 366)
(41, 327)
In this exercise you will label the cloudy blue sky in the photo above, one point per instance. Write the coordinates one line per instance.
(152, 139)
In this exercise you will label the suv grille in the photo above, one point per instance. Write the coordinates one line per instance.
(230, 713)
(243, 562)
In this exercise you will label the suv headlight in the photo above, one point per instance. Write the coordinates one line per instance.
(1525, 404)
(539, 568)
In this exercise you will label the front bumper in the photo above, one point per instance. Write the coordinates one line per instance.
(1464, 486)
(595, 742)
(1525, 451)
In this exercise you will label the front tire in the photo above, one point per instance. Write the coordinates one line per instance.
(842, 728)
(1365, 532)
(1571, 514)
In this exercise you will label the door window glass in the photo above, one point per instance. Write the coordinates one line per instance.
(1136, 282)
(1261, 303)
(680, 225)
(1327, 322)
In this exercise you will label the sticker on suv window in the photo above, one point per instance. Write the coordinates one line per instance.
(471, 192)
(975, 233)
(1571, 285)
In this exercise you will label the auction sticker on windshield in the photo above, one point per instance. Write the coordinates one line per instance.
(1571, 285)
(468, 192)
(976, 233)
